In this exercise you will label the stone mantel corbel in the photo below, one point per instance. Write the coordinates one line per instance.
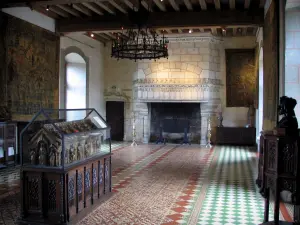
(115, 94)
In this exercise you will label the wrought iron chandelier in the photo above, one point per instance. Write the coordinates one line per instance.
(140, 42)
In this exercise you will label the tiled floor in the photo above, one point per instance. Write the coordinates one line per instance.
(171, 184)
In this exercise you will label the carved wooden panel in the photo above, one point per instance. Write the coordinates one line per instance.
(240, 77)
(31, 67)
(59, 196)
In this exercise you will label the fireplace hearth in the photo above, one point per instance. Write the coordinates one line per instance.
(172, 120)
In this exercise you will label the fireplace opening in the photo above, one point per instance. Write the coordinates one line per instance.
(173, 120)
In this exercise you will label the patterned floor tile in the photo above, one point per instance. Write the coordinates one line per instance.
(232, 197)
(169, 185)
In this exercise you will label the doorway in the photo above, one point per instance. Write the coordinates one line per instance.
(115, 119)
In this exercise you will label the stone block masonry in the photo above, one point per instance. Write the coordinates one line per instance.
(292, 57)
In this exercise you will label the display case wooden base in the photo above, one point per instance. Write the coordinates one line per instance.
(280, 223)
(64, 196)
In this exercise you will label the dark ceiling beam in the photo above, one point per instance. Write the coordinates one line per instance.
(15, 3)
(166, 20)
(96, 37)
(174, 5)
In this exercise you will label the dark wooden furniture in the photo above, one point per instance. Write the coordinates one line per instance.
(8, 143)
(10, 132)
(235, 136)
(65, 168)
(278, 171)
(55, 196)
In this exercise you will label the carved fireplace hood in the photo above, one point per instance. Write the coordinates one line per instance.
(192, 72)
(171, 90)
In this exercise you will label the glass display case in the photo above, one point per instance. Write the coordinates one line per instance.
(65, 165)
(8, 140)
(49, 141)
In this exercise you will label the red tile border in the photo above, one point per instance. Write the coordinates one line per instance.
(188, 191)
(119, 170)
(126, 181)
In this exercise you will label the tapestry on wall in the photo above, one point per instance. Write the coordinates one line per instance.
(240, 77)
(31, 73)
(256, 97)
(271, 65)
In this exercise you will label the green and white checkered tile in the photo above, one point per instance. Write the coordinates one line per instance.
(232, 198)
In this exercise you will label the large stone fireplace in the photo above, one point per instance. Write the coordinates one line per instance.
(191, 74)
(172, 120)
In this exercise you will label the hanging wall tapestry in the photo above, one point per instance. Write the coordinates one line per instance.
(30, 67)
(240, 77)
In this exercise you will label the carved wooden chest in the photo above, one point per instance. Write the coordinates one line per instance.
(65, 167)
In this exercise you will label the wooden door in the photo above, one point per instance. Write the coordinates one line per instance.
(115, 118)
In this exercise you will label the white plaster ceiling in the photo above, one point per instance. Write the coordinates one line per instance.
(74, 58)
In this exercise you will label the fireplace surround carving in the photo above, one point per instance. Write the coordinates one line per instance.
(191, 74)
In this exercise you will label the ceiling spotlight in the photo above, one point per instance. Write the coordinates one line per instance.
(161, 0)
(190, 31)
(92, 35)
(47, 8)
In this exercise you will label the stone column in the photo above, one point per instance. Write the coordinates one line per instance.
(141, 120)
(271, 44)
(208, 109)
(203, 132)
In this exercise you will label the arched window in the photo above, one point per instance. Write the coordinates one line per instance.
(75, 85)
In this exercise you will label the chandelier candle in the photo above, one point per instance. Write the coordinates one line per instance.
(141, 42)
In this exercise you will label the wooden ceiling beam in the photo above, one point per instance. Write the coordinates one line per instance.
(106, 8)
(128, 3)
(203, 4)
(166, 20)
(69, 10)
(234, 31)
(104, 36)
(59, 11)
(18, 3)
(145, 4)
(247, 4)
(110, 35)
(214, 31)
(160, 5)
(232, 4)
(81, 8)
(92, 8)
(217, 4)
(244, 31)
(224, 31)
(117, 6)
(188, 5)
(174, 5)
(97, 38)
(47, 13)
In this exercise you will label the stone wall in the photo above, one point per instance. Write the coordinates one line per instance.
(194, 72)
(94, 52)
(292, 57)
(191, 73)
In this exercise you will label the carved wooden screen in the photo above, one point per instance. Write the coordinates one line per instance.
(240, 77)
